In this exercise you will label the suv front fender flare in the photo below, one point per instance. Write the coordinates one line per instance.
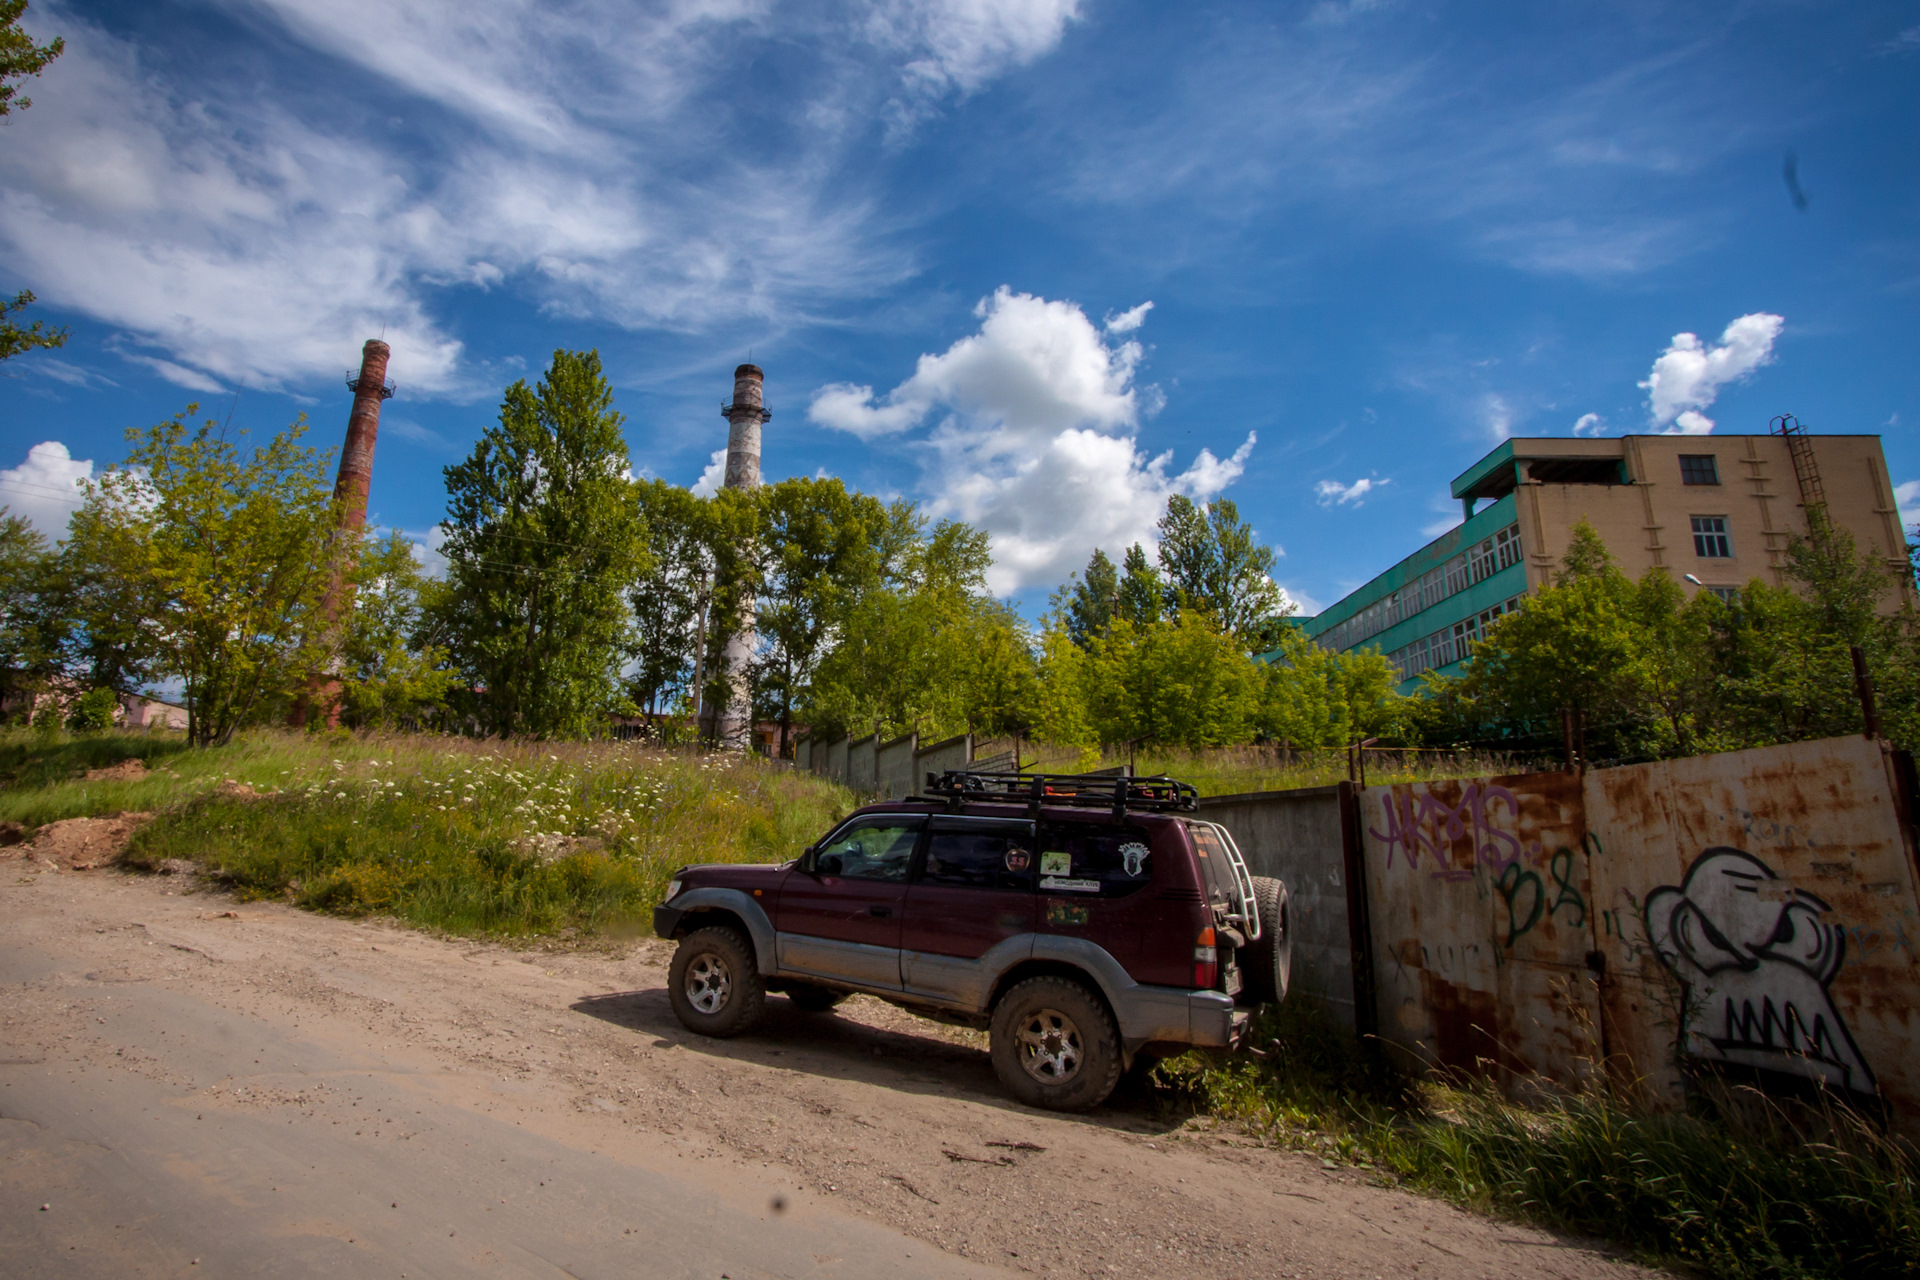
(734, 902)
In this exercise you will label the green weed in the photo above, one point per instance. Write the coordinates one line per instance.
(1746, 1188)
(467, 837)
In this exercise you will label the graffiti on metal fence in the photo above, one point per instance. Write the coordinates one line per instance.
(1526, 895)
(1756, 957)
(1423, 822)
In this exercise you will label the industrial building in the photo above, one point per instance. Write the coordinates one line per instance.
(1715, 512)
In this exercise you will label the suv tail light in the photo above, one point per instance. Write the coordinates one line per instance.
(1206, 961)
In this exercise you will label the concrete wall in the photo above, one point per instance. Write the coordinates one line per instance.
(893, 768)
(1295, 836)
(1754, 911)
(861, 759)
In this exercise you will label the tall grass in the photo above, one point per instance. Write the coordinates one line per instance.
(1744, 1187)
(466, 837)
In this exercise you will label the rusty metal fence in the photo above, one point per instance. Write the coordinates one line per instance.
(1755, 910)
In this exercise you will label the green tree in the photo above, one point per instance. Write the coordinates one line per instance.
(1086, 604)
(391, 669)
(1212, 562)
(818, 555)
(31, 630)
(20, 57)
(542, 535)
(667, 594)
(1316, 698)
(1142, 598)
(208, 566)
(927, 649)
(1183, 682)
(1573, 646)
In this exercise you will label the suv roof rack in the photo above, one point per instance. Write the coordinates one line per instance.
(1077, 790)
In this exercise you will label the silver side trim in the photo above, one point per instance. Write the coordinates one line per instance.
(860, 963)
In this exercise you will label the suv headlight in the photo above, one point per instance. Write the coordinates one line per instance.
(673, 890)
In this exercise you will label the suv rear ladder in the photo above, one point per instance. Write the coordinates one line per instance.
(1249, 913)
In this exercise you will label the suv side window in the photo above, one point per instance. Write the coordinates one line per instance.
(877, 849)
(1094, 858)
(962, 855)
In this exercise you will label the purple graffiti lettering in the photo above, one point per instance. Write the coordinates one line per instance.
(1425, 823)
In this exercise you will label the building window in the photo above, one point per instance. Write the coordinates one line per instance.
(1728, 595)
(1481, 561)
(1710, 538)
(1698, 468)
(1506, 544)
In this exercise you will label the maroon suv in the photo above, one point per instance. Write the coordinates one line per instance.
(1086, 920)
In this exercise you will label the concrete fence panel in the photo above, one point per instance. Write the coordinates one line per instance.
(893, 768)
(836, 760)
(1295, 836)
(950, 753)
(861, 759)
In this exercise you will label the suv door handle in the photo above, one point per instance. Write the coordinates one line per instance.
(879, 911)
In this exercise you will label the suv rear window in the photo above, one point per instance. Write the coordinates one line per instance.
(1213, 862)
(1088, 858)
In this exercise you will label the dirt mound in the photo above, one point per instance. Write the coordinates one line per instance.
(241, 791)
(81, 844)
(132, 769)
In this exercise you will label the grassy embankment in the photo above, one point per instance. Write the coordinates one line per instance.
(466, 837)
(1744, 1189)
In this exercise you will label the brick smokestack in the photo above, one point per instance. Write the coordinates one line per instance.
(363, 429)
(350, 487)
(731, 725)
(745, 416)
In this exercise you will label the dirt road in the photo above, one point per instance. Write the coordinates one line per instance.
(273, 1093)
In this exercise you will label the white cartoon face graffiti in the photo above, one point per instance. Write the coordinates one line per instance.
(1756, 958)
(1133, 856)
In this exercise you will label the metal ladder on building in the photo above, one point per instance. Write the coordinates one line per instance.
(1805, 469)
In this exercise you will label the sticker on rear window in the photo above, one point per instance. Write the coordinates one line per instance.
(1133, 856)
(1070, 886)
(1059, 913)
(1056, 864)
(1018, 859)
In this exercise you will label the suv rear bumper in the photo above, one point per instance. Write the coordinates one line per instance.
(1212, 1020)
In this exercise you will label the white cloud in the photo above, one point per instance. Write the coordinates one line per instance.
(1496, 416)
(1129, 320)
(178, 375)
(715, 474)
(1035, 368)
(1332, 493)
(1037, 445)
(1589, 424)
(252, 228)
(45, 488)
(1688, 375)
(1907, 496)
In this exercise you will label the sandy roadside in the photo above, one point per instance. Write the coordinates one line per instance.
(867, 1112)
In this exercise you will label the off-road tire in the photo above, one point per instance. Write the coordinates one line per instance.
(728, 992)
(1041, 1009)
(811, 999)
(1266, 967)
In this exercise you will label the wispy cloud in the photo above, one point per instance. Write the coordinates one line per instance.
(1331, 493)
(250, 232)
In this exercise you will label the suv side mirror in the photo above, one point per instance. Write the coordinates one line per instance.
(806, 859)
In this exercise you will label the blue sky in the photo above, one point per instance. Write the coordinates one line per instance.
(1376, 237)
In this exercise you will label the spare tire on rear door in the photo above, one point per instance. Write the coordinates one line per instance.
(1266, 966)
